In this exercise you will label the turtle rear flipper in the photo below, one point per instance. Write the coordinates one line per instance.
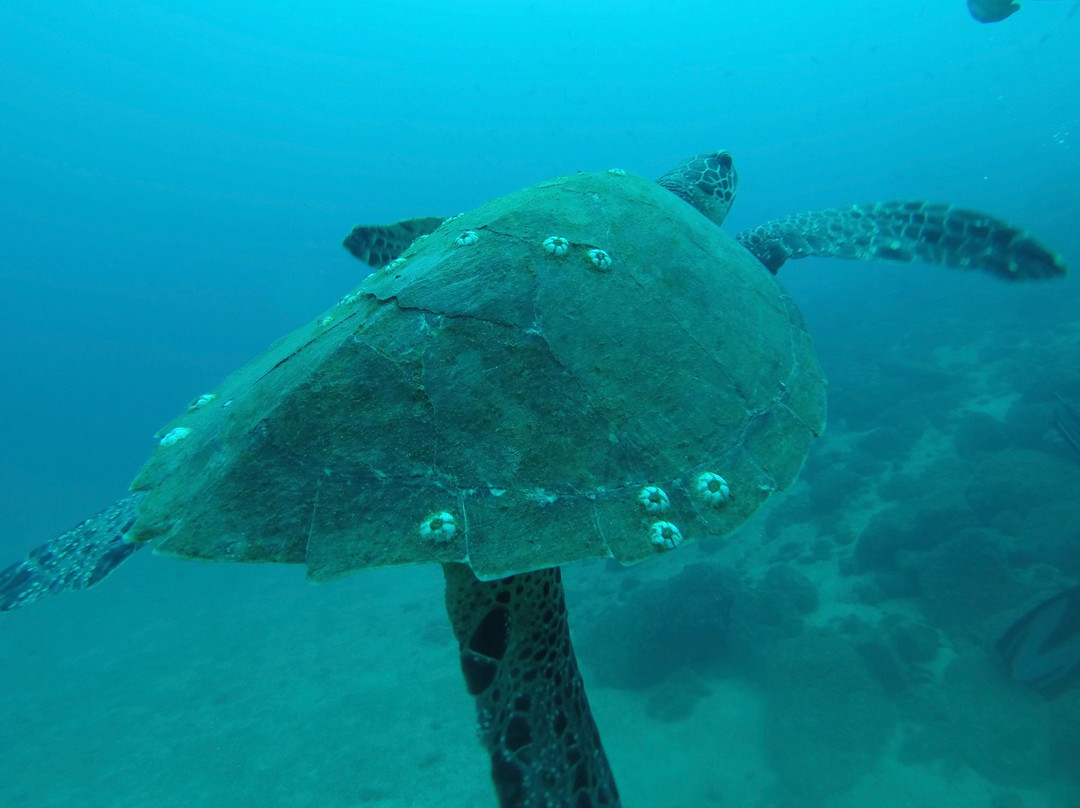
(906, 231)
(379, 244)
(78, 559)
(519, 665)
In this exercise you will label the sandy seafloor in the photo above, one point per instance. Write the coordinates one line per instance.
(174, 187)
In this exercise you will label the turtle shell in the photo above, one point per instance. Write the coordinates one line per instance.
(544, 379)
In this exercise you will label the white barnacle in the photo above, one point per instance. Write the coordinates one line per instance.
(541, 497)
(174, 436)
(618, 172)
(599, 259)
(557, 246)
(325, 321)
(201, 402)
(438, 527)
(398, 262)
(665, 535)
(713, 488)
(467, 238)
(653, 499)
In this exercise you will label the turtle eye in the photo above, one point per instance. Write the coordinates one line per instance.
(724, 160)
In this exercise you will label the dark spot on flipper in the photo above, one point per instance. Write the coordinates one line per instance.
(581, 777)
(1003, 237)
(559, 724)
(492, 635)
(933, 235)
(14, 576)
(479, 673)
(42, 555)
(12, 581)
(518, 733)
(110, 561)
(509, 782)
(1035, 260)
(953, 241)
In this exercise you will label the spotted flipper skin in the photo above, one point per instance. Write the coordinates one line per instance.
(377, 245)
(906, 231)
(520, 667)
(78, 559)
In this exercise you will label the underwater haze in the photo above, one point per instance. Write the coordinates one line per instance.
(175, 183)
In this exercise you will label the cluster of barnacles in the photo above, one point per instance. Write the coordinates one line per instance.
(556, 246)
(710, 487)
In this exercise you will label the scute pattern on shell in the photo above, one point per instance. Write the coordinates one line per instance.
(496, 369)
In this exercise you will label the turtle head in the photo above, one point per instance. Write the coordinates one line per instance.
(707, 181)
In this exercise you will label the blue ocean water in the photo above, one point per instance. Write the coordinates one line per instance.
(175, 181)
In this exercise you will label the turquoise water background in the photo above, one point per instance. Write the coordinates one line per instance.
(175, 181)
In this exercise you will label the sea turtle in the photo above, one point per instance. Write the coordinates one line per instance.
(587, 368)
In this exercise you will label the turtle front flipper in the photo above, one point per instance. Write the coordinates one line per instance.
(519, 665)
(379, 244)
(78, 559)
(906, 231)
